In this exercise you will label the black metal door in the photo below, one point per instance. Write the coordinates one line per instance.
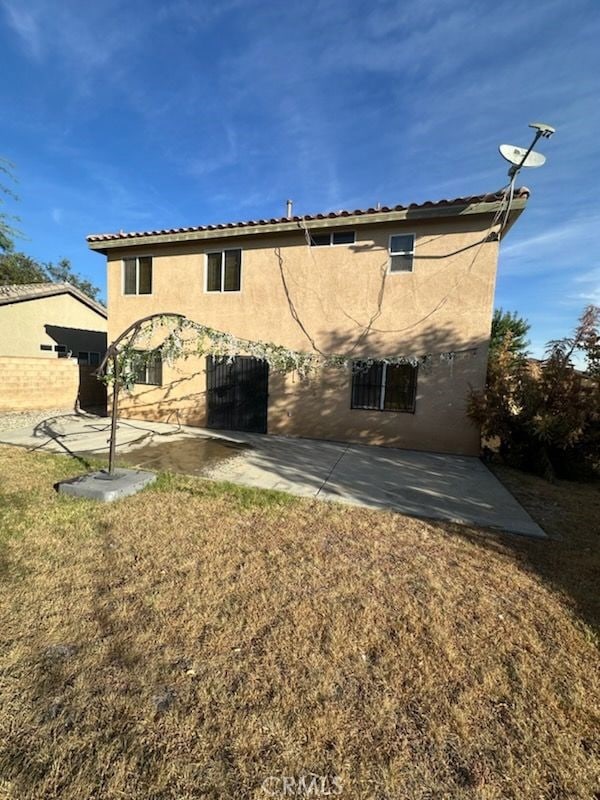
(237, 393)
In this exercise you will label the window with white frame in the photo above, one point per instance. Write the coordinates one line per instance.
(378, 386)
(137, 275)
(224, 271)
(332, 238)
(402, 252)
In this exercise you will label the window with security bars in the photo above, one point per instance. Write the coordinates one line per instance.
(384, 387)
(90, 358)
(224, 271)
(147, 369)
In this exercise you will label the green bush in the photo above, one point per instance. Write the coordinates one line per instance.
(546, 414)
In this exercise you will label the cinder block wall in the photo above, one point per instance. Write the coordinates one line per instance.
(35, 384)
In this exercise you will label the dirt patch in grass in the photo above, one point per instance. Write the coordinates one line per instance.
(198, 638)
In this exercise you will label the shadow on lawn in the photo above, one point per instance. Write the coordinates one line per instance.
(569, 513)
(570, 559)
(50, 432)
(61, 686)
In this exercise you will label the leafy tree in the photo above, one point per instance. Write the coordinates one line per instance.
(508, 327)
(585, 340)
(546, 415)
(21, 268)
(7, 229)
(63, 273)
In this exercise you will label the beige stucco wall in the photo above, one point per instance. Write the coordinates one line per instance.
(346, 302)
(59, 319)
(31, 384)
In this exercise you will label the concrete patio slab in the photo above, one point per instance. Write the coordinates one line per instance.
(436, 486)
(455, 488)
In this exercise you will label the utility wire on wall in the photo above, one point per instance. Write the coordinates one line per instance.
(519, 158)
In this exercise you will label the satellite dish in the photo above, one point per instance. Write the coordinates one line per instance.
(514, 155)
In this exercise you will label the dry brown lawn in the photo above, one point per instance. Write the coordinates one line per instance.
(198, 638)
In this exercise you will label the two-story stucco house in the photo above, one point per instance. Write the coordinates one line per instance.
(404, 280)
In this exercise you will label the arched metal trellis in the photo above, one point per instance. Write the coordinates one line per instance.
(224, 344)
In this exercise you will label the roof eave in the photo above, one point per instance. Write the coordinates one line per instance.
(222, 232)
(72, 290)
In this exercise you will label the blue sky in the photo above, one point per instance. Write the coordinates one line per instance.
(137, 115)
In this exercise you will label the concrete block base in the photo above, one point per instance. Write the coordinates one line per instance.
(104, 487)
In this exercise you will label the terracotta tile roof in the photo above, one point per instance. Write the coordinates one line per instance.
(19, 292)
(493, 197)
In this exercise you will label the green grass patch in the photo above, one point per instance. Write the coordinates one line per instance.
(241, 497)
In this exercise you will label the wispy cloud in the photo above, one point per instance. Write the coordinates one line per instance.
(188, 13)
(566, 246)
(587, 287)
(83, 38)
(25, 22)
(219, 152)
(565, 234)
(167, 112)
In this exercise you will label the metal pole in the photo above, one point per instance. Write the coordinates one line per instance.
(516, 168)
(114, 410)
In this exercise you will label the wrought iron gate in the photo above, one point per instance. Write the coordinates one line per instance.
(237, 393)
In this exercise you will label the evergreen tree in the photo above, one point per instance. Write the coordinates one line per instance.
(509, 329)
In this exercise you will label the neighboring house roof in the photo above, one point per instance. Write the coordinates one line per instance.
(17, 293)
(483, 203)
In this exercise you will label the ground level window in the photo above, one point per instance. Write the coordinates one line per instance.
(384, 387)
(147, 367)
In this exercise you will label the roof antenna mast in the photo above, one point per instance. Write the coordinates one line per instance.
(519, 157)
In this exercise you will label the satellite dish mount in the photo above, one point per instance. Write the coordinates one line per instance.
(520, 157)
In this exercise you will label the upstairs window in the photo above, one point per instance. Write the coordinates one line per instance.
(402, 252)
(137, 275)
(147, 369)
(331, 238)
(384, 387)
(224, 271)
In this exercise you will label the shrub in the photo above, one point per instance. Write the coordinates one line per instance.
(546, 414)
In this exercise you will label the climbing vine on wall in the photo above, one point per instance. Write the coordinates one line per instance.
(136, 348)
